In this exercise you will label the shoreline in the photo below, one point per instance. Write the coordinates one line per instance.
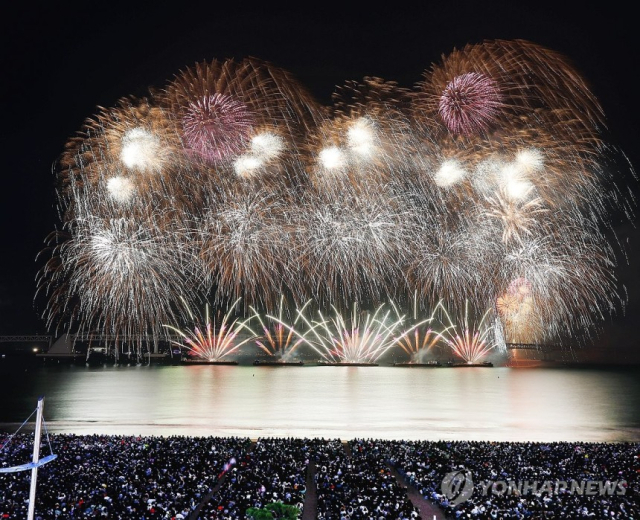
(194, 431)
(343, 439)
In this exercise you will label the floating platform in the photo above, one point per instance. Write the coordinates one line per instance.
(206, 362)
(99, 358)
(460, 365)
(260, 363)
(435, 364)
(328, 364)
(71, 356)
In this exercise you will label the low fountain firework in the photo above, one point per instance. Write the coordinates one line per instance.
(419, 338)
(470, 337)
(278, 340)
(233, 182)
(360, 338)
(211, 341)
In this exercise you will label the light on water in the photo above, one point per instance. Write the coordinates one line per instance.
(470, 403)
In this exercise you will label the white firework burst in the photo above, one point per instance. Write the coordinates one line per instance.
(126, 275)
(514, 182)
(142, 150)
(332, 158)
(450, 173)
(352, 245)
(267, 146)
(244, 245)
(530, 160)
(247, 165)
(361, 138)
(518, 218)
(121, 189)
(486, 175)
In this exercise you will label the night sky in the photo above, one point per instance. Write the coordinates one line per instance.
(60, 62)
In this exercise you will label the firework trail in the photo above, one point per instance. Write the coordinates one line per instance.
(244, 246)
(419, 337)
(241, 120)
(278, 338)
(515, 307)
(232, 183)
(361, 338)
(209, 339)
(467, 336)
(349, 248)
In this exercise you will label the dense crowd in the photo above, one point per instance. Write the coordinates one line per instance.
(275, 470)
(213, 478)
(357, 484)
(115, 477)
(614, 466)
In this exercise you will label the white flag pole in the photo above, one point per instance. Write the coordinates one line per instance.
(36, 458)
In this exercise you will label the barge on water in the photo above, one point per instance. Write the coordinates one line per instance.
(263, 363)
(345, 364)
(462, 364)
(430, 364)
(207, 362)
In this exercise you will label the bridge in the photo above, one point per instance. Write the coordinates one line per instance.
(90, 338)
(540, 347)
(547, 352)
(65, 345)
(131, 338)
(27, 339)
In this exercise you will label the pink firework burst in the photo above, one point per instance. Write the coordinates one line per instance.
(470, 103)
(520, 287)
(217, 127)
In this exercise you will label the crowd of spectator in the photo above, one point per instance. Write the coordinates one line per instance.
(275, 470)
(115, 477)
(612, 468)
(218, 478)
(354, 483)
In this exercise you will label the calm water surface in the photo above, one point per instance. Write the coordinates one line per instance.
(538, 404)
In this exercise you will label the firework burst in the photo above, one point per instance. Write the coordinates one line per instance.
(212, 340)
(569, 272)
(468, 337)
(361, 338)
(222, 105)
(232, 182)
(518, 218)
(515, 308)
(470, 103)
(245, 247)
(495, 82)
(135, 141)
(419, 337)
(454, 256)
(216, 127)
(350, 247)
(278, 338)
(367, 141)
(118, 276)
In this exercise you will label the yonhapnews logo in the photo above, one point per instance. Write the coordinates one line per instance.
(458, 486)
